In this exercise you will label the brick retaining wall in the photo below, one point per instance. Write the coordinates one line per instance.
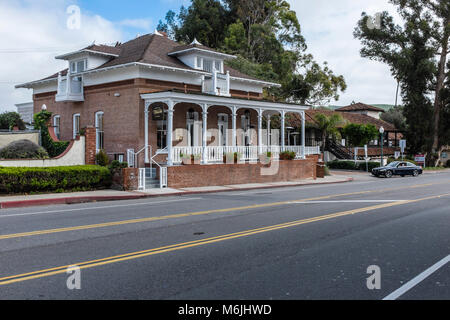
(230, 174)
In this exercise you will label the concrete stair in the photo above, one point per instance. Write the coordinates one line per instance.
(150, 181)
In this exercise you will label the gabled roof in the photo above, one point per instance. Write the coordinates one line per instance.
(360, 107)
(347, 116)
(197, 46)
(150, 50)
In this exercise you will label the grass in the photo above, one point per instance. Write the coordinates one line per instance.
(434, 168)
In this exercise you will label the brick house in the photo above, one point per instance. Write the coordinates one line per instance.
(153, 99)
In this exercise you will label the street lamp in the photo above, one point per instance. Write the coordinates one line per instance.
(382, 143)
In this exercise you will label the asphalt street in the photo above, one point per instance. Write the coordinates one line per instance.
(310, 242)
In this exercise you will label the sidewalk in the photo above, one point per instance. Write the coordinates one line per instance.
(22, 201)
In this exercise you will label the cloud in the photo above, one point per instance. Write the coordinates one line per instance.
(144, 24)
(328, 28)
(33, 34)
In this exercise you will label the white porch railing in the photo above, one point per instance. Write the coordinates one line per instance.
(216, 154)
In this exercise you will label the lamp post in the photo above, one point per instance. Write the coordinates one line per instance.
(382, 144)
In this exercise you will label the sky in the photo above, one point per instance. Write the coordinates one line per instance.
(33, 32)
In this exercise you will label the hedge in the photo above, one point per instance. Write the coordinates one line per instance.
(58, 179)
(350, 165)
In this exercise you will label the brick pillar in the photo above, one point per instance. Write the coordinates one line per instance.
(91, 145)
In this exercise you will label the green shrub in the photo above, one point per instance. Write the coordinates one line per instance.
(116, 166)
(23, 149)
(287, 155)
(350, 165)
(102, 158)
(9, 120)
(58, 179)
(53, 148)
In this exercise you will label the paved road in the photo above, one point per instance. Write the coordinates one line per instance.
(312, 242)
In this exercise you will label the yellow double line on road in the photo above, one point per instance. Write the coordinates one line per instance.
(185, 245)
(190, 214)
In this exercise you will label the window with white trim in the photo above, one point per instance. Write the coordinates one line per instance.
(100, 134)
(76, 125)
(57, 126)
(78, 66)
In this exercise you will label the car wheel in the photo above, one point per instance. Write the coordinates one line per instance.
(389, 174)
(415, 173)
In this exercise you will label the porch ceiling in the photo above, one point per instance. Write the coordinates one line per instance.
(211, 100)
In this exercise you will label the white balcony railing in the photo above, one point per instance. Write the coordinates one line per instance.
(218, 84)
(215, 154)
(70, 88)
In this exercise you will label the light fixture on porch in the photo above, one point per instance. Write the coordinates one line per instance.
(191, 114)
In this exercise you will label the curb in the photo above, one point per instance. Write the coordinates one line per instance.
(88, 199)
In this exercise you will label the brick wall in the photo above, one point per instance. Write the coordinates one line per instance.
(230, 174)
(90, 148)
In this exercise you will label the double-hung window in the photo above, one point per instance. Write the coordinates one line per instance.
(57, 126)
(100, 142)
(76, 125)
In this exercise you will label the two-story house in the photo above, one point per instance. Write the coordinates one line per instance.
(153, 96)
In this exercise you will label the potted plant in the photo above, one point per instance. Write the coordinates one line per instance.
(266, 158)
(287, 155)
(232, 157)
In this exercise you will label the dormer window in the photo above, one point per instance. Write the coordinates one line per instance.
(208, 64)
(78, 66)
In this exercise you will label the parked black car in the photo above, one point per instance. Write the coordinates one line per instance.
(398, 168)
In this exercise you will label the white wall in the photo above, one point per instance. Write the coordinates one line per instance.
(75, 157)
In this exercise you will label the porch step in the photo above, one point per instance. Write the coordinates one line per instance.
(150, 181)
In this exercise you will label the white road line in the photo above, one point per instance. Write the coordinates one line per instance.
(411, 284)
(95, 208)
(347, 201)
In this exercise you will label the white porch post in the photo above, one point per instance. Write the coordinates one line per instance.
(204, 133)
(260, 119)
(234, 117)
(283, 129)
(169, 132)
(269, 143)
(147, 154)
(303, 134)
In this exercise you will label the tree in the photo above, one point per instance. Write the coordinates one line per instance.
(359, 135)
(417, 54)
(9, 120)
(266, 37)
(395, 116)
(328, 126)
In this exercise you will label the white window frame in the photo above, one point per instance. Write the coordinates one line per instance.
(76, 131)
(97, 132)
(57, 126)
(74, 65)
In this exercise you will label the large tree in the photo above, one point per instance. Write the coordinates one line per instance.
(417, 54)
(266, 36)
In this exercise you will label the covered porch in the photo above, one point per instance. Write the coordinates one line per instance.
(210, 127)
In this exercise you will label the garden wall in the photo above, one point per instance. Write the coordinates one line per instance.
(73, 156)
(8, 137)
(231, 174)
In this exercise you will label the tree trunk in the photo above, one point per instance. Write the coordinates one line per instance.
(439, 87)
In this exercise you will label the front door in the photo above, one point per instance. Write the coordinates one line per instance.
(222, 126)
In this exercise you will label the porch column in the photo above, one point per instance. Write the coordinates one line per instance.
(170, 112)
(269, 143)
(234, 117)
(204, 133)
(260, 118)
(147, 154)
(283, 129)
(303, 134)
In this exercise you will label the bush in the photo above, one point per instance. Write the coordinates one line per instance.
(117, 166)
(23, 149)
(9, 120)
(287, 155)
(102, 158)
(58, 179)
(350, 165)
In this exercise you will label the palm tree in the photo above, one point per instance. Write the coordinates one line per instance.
(328, 126)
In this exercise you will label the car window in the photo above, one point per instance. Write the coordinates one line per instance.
(411, 164)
